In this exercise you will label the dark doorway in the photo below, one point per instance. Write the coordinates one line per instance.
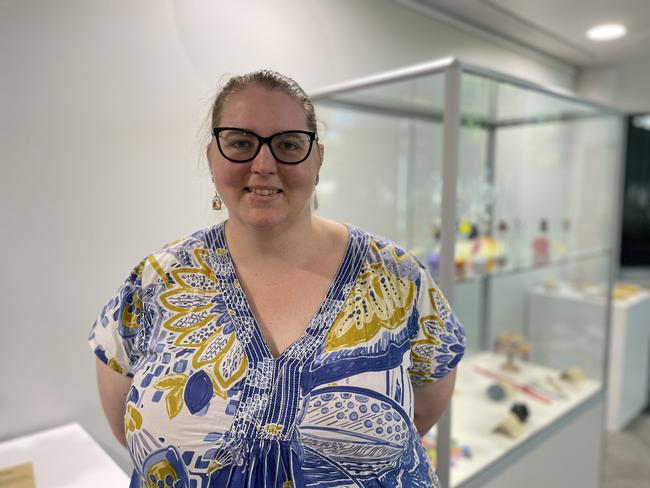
(635, 245)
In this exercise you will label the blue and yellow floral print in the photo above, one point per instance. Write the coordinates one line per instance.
(210, 406)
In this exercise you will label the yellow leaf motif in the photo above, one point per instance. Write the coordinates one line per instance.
(432, 326)
(435, 298)
(132, 419)
(222, 383)
(174, 384)
(379, 300)
(114, 365)
(129, 317)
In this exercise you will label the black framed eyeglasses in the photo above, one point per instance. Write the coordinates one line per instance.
(241, 145)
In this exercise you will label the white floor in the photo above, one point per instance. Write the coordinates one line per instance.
(627, 454)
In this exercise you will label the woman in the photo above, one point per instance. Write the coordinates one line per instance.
(279, 348)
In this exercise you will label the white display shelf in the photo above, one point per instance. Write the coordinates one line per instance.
(65, 456)
(474, 415)
(515, 269)
(628, 385)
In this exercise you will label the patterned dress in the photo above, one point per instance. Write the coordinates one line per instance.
(210, 406)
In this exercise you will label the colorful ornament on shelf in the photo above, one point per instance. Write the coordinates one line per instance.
(466, 452)
(429, 443)
(483, 253)
(490, 253)
(433, 259)
(511, 426)
(496, 392)
(573, 375)
(476, 257)
(521, 411)
(625, 291)
(462, 252)
(560, 248)
(461, 269)
(513, 344)
(550, 284)
(465, 227)
(541, 245)
(433, 262)
(557, 388)
(501, 245)
(457, 451)
(499, 391)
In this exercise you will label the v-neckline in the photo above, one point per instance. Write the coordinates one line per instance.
(314, 326)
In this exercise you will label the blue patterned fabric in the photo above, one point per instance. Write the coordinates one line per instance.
(210, 406)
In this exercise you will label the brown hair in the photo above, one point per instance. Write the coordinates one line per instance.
(267, 79)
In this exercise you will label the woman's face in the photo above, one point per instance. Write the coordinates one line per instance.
(245, 187)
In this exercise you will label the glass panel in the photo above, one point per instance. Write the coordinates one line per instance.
(382, 167)
(468, 300)
(499, 103)
(357, 169)
(424, 96)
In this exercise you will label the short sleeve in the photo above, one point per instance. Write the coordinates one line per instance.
(438, 341)
(113, 335)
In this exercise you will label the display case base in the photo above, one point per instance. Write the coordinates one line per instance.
(557, 429)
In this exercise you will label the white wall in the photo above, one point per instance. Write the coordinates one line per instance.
(623, 84)
(101, 106)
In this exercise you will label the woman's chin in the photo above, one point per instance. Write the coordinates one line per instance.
(269, 217)
(264, 219)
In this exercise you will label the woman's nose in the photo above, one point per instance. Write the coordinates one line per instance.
(264, 162)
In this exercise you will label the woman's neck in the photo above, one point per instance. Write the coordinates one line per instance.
(295, 244)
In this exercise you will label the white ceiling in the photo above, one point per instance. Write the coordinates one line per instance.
(556, 27)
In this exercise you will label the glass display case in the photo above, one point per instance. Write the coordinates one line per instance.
(510, 193)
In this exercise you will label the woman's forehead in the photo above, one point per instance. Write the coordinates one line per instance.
(262, 105)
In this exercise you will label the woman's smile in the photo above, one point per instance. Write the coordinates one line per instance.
(265, 191)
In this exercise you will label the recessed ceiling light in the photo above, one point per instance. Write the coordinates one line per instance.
(606, 32)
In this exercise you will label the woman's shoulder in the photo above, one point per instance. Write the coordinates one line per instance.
(201, 239)
(189, 251)
(386, 248)
(389, 254)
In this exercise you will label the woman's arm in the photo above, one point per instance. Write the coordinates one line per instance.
(113, 388)
(431, 399)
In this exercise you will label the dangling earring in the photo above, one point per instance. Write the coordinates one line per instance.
(216, 202)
